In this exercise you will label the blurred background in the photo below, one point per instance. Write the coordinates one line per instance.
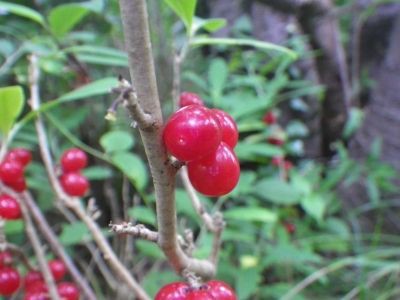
(316, 212)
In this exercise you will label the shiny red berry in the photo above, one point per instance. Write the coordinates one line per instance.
(191, 133)
(269, 118)
(215, 174)
(199, 294)
(22, 155)
(73, 159)
(220, 290)
(6, 258)
(19, 186)
(74, 184)
(9, 281)
(36, 296)
(228, 127)
(33, 279)
(275, 141)
(173, 291)
(9, 208)
(187, 98)
(11, 171)
(58, 269)
(68, 291)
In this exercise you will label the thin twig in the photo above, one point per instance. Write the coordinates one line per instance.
(139, 231)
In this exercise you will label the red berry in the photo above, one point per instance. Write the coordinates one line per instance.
(6, 258)
(290, 228)
(199, 294)
(187, 98)
(287, 165)
(277, 161)
(32, 279)
(275, 141)
(220, 290)
(9, 208)
(22, 155)
(11, 171)
(74, 184)
(192, 132)
(215, 174)
(228, 127)
(269, 118)
(19, 186)
(68, 291)
(9, 281)
(58, 269)
(173, 291)
(36, 296)
(73, 159)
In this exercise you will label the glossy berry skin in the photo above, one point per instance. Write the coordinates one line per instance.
(269, 118)
(9, 281)
(74, 184)
(173, 291)
(58, 269)
(68, 291)
(73, 159)
(275, 141)
(187, 98)
(22, 155)
(6, 258)
(9, 208)
(11, 171)
(191, 133)
(33, 279)
(228, 127)
(212, 290)
(19, 186)
(36, 296)
(215, 174)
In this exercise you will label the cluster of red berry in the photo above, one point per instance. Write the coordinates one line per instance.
(12, 168)
(72, 181)
(204, 139)
(278, 139)
(33, 282)
(211, 290)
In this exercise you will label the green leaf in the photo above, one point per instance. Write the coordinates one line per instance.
(252, 214)
(98, 87)
(97, 172)
(201, 41)
(250, 152)
(116, 140)
(74, 233)
(217, 76)
(314, 205)
(149, 249)
(211, 25)
(143, 214)
(103, 60)
(65, 17)
(14, 227)
(277, 191)
(132, 166)
(185, 10)
(99, 55)
(354, 122)
(11, 103)
(247, 282)
(22, 11)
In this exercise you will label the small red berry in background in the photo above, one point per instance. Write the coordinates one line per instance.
(287, 165)
(22, 155)
(11, 171)
(68, 291)
(6, 258)
(9, 281)
(276, 141)
(269, 118)
(191, 133)
(228, 127)
(58, 269)
(290, 227)
(73, 159)
(215, 174)
(211, 290)
(32, 278)
(187, 98)
(74, 184)
(9, 208)
(277, 161)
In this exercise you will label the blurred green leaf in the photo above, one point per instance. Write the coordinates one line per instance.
(63, 18)
(288, 254)
(211, 25)
(11, 104)
(314, 205)
(185, 11)
(143, 214)
(277, 191)
(97, 172)
(201, 41)
(116, 140)
(354, 122)
(252, 214)
(149, 249)
(247, 281)
(75, 233)
(132, 166)
(14, 227)
(250, 152)
(217, 76)
(22, 11)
